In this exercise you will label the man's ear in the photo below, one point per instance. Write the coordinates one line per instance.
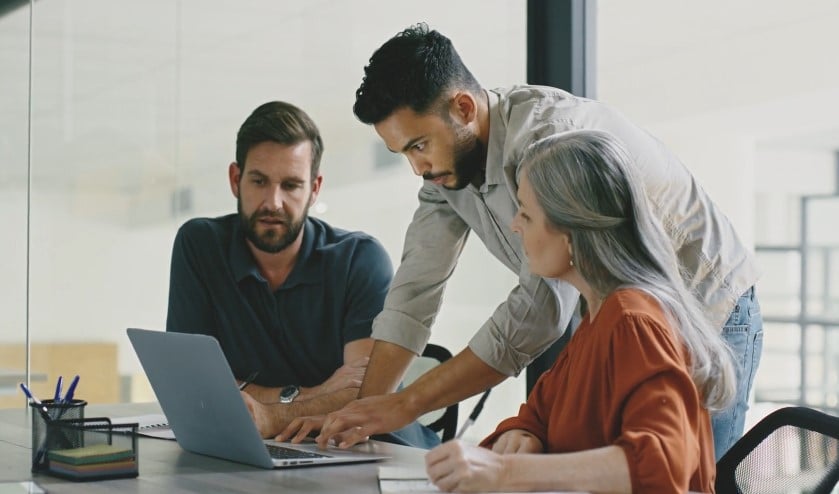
(464, 107)
(234, 174)
(316, 183)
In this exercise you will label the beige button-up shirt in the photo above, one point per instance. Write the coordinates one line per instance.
(717, 265)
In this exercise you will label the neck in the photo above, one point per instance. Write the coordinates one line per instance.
(275, 267)
(593, 299)
(483, 118)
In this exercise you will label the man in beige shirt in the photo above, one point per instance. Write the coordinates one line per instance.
(467, 142)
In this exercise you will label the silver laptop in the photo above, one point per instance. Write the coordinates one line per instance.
(199, 396)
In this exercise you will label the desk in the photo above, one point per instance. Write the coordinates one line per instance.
(165, 467)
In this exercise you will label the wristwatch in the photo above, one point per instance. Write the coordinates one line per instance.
(288, 393)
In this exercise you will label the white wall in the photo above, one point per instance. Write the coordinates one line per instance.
(134, 100)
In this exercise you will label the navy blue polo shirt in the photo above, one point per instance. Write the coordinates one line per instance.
(295, 334)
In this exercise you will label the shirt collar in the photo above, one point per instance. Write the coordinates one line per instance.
(495, 147)
(306, 270)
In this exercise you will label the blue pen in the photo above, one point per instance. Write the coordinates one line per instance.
(42, 449)
(41, 408)
(71, 390)
(57, 397)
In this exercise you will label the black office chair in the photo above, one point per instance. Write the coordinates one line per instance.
(443, 421)
(793, 449)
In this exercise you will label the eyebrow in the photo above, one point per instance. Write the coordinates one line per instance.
(410, 144)
(259, 174)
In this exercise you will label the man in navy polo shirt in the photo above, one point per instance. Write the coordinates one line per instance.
(287, 296)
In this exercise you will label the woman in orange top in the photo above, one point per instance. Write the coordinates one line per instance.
(625, 406)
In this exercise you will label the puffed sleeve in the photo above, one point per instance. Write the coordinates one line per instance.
(658, 405)
(534, 414)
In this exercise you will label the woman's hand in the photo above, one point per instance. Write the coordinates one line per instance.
(456, 466)
(517, 441)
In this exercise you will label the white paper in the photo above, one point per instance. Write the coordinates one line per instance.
(152, 425)
(404, 480)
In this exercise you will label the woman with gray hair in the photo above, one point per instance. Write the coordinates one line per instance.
(625, 406)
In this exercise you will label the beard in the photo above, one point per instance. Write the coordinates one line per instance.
(271, 241)
(469, 158)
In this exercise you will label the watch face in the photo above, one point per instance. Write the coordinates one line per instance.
(288, 393)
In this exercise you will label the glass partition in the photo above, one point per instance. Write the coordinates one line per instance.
(135, 108)
(14, 150)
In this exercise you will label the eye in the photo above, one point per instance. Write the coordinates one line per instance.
(420, 146)
(258, 181)
(292, 185)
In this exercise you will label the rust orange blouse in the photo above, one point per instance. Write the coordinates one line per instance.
(623, 380)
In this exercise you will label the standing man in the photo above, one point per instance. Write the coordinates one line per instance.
(287, 296)
(467, 142)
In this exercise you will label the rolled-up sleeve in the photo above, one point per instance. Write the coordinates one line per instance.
(534, 315)
(660, 412)
(433, 243)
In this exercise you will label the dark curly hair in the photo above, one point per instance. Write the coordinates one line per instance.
(412, 69)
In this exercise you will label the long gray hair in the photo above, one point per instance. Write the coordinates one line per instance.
(587, 186)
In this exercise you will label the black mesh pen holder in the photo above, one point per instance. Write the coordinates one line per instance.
(89, 449)
(47, 412)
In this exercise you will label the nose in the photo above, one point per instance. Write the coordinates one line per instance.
(514, 225)
(419, 166)
(274, 198)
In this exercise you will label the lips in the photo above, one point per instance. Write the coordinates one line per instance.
(440, 180)
(271, 221)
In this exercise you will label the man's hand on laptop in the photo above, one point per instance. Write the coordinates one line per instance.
(267, 423)
(301, 428)
(362, 418)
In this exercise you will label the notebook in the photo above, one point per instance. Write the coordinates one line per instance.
(150, 425)
(199, 396)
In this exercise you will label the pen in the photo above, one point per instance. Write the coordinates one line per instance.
(42, 449)
(248, 380)
(57, 397)
(474, 415)
(71, 390)
(45, 413)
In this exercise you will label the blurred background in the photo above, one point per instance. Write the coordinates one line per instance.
(118, 120)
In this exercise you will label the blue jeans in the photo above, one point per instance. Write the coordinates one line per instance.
(413, 434)
(744, 334)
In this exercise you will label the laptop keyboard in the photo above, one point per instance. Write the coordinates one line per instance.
(283, 453)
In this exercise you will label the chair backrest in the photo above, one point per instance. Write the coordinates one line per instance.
(793, 449)
(443, 421)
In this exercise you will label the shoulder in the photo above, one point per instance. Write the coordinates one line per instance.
(330, 240)
(530, 113)
(634, 317)
(542, 102)
(632, 308)
(207, 229)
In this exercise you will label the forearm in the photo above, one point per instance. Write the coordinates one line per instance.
(283, 414)
(595, 470)
(271, 395)
(388, 363)
(460, 377)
